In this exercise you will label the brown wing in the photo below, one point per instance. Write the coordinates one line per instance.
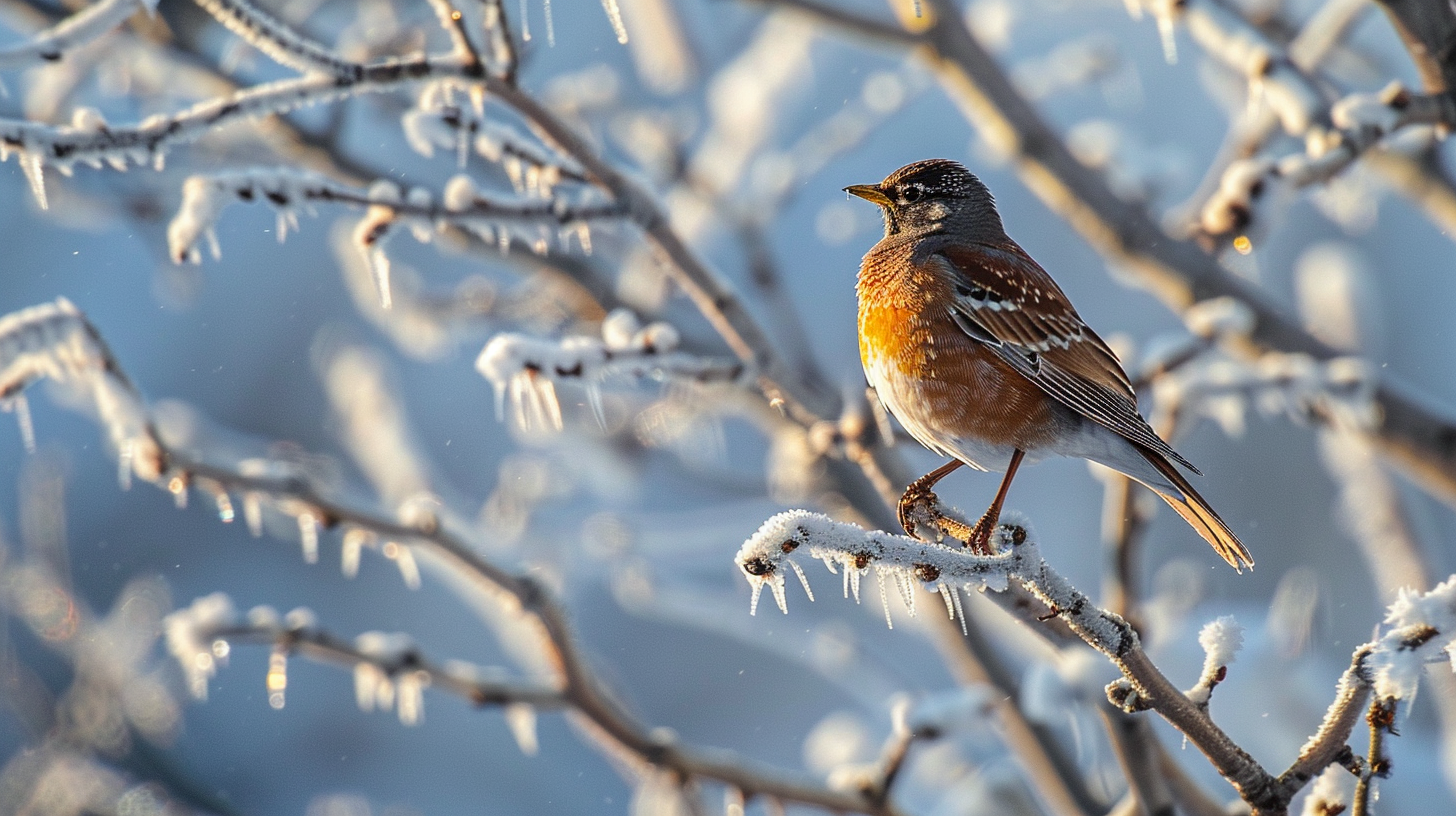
(1006, 300)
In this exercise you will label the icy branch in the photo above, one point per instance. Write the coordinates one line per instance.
(282, 44)
(527, 368)
(1422, 629)
(205, 196)
(389, 670)
(1361, 121)
(56, 341)
(85, 26)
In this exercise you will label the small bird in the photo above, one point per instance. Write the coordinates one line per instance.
(979, 354)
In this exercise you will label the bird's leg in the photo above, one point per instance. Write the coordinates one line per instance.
(919, 505)
(980, 538)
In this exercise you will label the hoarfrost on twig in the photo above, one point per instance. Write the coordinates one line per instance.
(526, 368)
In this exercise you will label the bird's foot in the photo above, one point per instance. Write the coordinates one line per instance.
(979, 540)
(919, 510)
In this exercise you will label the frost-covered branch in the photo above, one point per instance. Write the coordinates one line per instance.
(1421, 629)
(81, 28)
(281, 43)
(1360, 121)
(527, 368)
(796, 535)
(494, 218)
(389, 670)
(56, 341)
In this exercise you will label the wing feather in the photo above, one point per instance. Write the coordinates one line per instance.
(1006, 300)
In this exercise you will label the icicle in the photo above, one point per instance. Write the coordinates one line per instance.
(776, 585)
(409, 569)
(350, 550)
(367, 678)
(277, 681)
(177, 486)
(21, 406)
(855, 575)
(308, 536)
(583, 234)
(847, 570)
(224, 506)
(945, 596)
(253, 513)
(379, 265)
(516, 173)
(753, 602)
(410, 701)
(907, 590)
(884, 596)
(34, 169)
(614, 13)
(960, 611)
(124, 458)
(550, 26)
(525, 23)
(521, 719)
(803, 579)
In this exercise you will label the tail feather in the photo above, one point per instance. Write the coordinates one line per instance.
(1198, 514)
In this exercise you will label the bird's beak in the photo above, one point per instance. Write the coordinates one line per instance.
(869, 192)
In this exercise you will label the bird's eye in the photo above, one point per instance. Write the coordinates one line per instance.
(912, 194)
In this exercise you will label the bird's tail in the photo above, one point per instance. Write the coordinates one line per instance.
(1197, 513)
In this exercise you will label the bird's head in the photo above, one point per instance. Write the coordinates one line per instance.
(933, 196)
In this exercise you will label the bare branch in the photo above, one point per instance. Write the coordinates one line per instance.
(85, 26)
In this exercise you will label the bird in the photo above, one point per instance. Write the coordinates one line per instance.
(982, 358)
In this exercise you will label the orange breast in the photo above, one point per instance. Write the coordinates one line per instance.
(938, 382)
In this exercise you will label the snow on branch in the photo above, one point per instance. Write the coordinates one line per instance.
(56, 341)
(85, 26)
(527, 368)
(1422, 630)
(496, 219)
(1221, 640)
(389, 670)
(281, 43)
(1361, 121)
(39, 145)
(853, 552)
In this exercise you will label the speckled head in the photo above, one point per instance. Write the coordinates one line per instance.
(932, 196)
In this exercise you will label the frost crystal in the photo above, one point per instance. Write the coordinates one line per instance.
(526, 368)
(785, 538)
(1423, 628)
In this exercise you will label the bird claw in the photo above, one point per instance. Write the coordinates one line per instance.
(919, 509)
